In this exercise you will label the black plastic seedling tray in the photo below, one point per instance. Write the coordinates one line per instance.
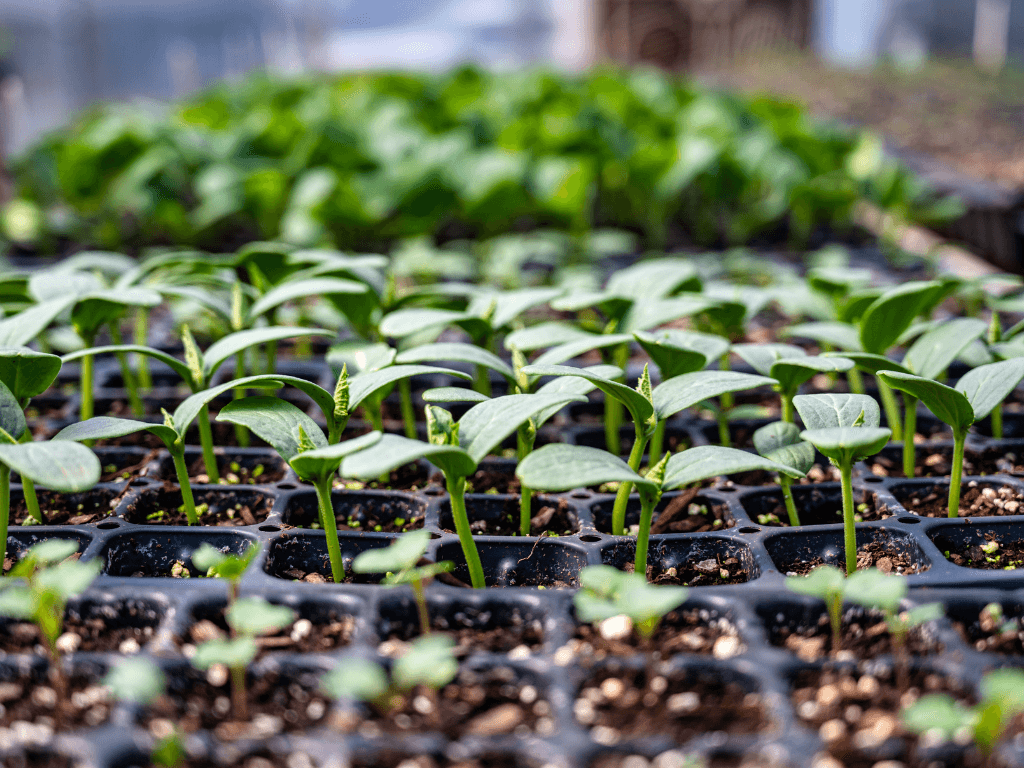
(546, 663)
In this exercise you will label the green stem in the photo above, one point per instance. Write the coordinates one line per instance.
(206, 440)
(28, 488)
(997, 422)
(725, 404)
(644, 534)
(371, 407)
(525, 510)
(241, 433)
(622, 497)
(5, 510)
(408, 412)
(87, 410)
(238, 701)
(849, 530)
(421, 606)
(909, 430)
(786, 484)
(127, 375)
(834, 603)
(787, 407)
(330, 526)
(140, 334)
(457, 498)
(613, 407)
(657, 444)
(482, 381)
(724, 438)
(959, 438)
(856, 381)
(271, 357)
(178, 457)
(892, 409)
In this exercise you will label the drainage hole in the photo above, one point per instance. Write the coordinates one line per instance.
(872, 479)
(589, 537)
(749, 529)
(580, 495)
(108, 526)
(287, 486)
(912, 520)
(270, 528)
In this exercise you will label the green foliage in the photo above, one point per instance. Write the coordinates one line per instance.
(606, 592)
(136, 680)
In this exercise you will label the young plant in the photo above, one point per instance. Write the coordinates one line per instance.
(973, 398)
(828, 583)
(429, 662)
(247, 619)
(790, 366)
(402, 563)
(985, 724)
(560, 467)
(230, 567)
(38, 589)
(199, 368)
(780, 442)
(606, 592)
(300, 442)
(140, 682)
(845, 429)
(457, 448)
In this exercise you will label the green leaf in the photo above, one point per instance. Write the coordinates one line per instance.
(394, 451)
(823, 582)
(654, 279)
(673, 357)
(136, 680)
(828, 411)
(405, 322)
(708, 461)
(922, 614)
(949, 405)
(323, 399)
(842, 444)
(70, 578)
(233, 343)
(234, 654)
(571, 385)
(872, 363)
(888, 316)
(360, 356)
(25, 326)
(761, 357)
(27, 373)
(172, 362)
(92, 312)
(430, 661)
(792, 372)
(781, 443)
(637, 405)
(686, 391)
(254, 616)
(840, 335)
(643, 602)
(453, 395)
(276, 421)
(544, 335)
(932, 353)
(213, 562)
(364, 385)
(937, 712)
(1005, 686)
(573, 349)
(50, 551)
(404, 553)
(12, 417)
(107, 427)
(59, 465)
(301, 289)
(560, 467)
(323, 462)
(486, 424)
(988, 385)
(873, 589)
(508, 305)
(356, 680)
(454, 352)
(651, 313)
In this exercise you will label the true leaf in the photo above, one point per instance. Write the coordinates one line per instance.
(276, 421)
(708, 461)
(322, 462)
(828, 411)
(949, 405)
(560, 467)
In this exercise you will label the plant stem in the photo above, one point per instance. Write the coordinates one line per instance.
(786, 484)
(330, 526)
(86, 410)
(408, 413)
(834, 603)
(856, 381)
(622, 497)
(643, 537)
(892, 409)
(238, 698)
(457, 498)
(997, 422)
(127, 375)
(371, 407)
(787, 407)
(140, 335)
(909, 430)
(656, 446)
(28, 488)
(959, 438)
(241, 433)
(725, 404)
(849, 531)
(206, 440)
(525, 510)
(5, 510)
(421, 606)
(271, 357)
(482, 381)
(613, 407)
(178, 457)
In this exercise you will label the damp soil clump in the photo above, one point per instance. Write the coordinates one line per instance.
(864, 635)
(975, 501)
(874, 554)
(302, 636)
(696, 631)
(66, 509)
(222, 509)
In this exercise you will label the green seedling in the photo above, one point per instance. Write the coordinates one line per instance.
(199, 368)
(38, 588)
(429, 662)
(402, 563)
(216, 564)
(780, 442)
(457, 448)
(247, 619)
(985, 724)
(136, 680)
(829, 584)
(300, 442)
(559, 467)
(790, 366)
(845, 429)
(606, 592)
(973, 398)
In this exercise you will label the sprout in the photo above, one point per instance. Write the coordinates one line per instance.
(606, 592)
(780, 442)
(229, 567)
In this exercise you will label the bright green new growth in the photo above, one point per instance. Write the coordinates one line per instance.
(827, 583)
(606, 592)
(973, 398)
(136, 680)
(230, 567)
(400, 562)
(780, 442)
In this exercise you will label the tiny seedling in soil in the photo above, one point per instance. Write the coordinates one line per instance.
(780, 442)
(401, 563)
(247, 619)
(38, 589)
(984, 724)
(139, 681)
(230, 567)
(607, 592)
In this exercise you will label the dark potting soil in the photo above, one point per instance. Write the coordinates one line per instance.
(488, 481)
(517, 634)
(683, 515)
(817, 509)
(685, 631)
(856, 713)
(129, 468)
(617, 706)
(864, 636)
(481, 703)
(975, 501)
(993, 555)
(929, 463)
(33, 759)
(233, 472)
(302, 636)
(66, 509)
(411, 477)
(549, 517)
(222, 508)
(127, 635)
(993, 632)
(392, 759)
(874, 554)
(816, 474)
(9, 561)
(31, 700)
(712, 571)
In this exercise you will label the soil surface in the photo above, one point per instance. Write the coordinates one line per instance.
(550, 516)
(411, 477)
(712, 571)
(617, 706)
(235, 470)
(302, 636)
(681, 631)
(875, 554)
(819, 508)
(816, 474)
(30, 700)
(994, 632)
(86, 635)
(128, 468)
(975, 501)
(223, 508)
(67, 509)
(392, 759)
(993, 555)
(864, 636)
(511, 636)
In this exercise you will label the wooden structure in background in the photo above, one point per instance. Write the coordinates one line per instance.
(697, 34)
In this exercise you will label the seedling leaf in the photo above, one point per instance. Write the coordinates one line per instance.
(830, 411)
(560, 467)
(949, 405)
(687, 390)
(706, 461)
(61, 465)
(987, 386)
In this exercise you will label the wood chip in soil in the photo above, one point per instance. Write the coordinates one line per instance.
(994, 554)
(865, 635)
(32, 700)
(993, 632)
(975, 501)
(710, 571)
(681, 631)
(874, 554)
(302, 636)
(616, 706)
(686, 513)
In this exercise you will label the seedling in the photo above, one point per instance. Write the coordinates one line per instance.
(401, 563)
(230, 567)
(845, 429)
(828, 583)
(606, 592)
(300, 442)
(139, 681)
(248, 619)
(1002, 698)
(456, 448)
(429, 662)
(559, 467)
(780, 442)
(973, 398)
(790, 366)
(38, 589)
